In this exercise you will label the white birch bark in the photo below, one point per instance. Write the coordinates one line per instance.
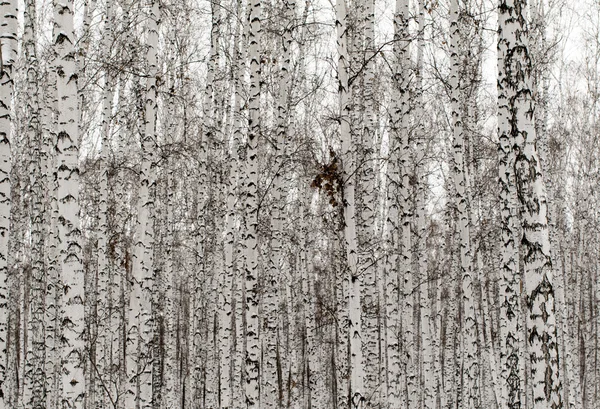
(53, 293)
(211, 386)
(197, 312)
(400, 370)
(470, 372)
(392, 316)
(226, 279)
(510, 328)
(368, 229)
(238, 348)
(120, 280)
(572, 389)
(311, 351)
(67, 171)
(35, 377)
(269, 386)
(570, 363)
(19, 294)
(451, 377)
(234, 366)
(357, 374)
(314, 363)
(251, 242)
(341, 370)
(171, 370)
(140, 330)
(541, 322)
(217, 379)
(541, 78)
(410, 360)
(294, 362)
(8, 48)
(392, 234)
(226, 310)
(427, 373)
(103, 354)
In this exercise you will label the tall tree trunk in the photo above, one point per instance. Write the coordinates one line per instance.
(103, 357)
(367, 185)
(392, 229)
(349, 213)
(541, 321)
(341, 364)
(251, 242)
(470, 372)
(67, 171)
(427, 346)
(270, 383)
(408, 388)
(140, 331)
(233, 367)
(8, 48)
(171, 381)
(53, 293)
(239, 346)
(510, 311)
(35, 376)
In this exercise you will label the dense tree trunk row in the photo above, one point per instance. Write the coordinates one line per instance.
(242, 203)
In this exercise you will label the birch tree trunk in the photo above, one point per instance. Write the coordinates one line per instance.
(393, 228)
(171, 380)
(349, 213)
(73, 354)
(234, 366)
(226, 281)
(53, 285)
(571, 366)
(35, 377)
(269, 387)
(367, 260)
(470, 364)
(408, 387)
(103, 351)
(540, 49)
(251, 242)
(122, 254)
(8, 48)
(140, 331)
(541, 321)
(341, 367)
(510, 328)
(427, 374)
(239, 345)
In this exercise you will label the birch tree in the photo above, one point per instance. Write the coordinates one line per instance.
(530, 190)
(67, 174)
(53, 281)
(401, 369)
(35, 375)
(471, 392)
(349, 214)
(367, 189)
(271, 298)
(406, 206)
(427, 373)
(8, 38)
(140, 331)
(511, 353)
(251, 242)
(103, 348)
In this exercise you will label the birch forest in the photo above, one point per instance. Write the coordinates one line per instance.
(299, 204)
